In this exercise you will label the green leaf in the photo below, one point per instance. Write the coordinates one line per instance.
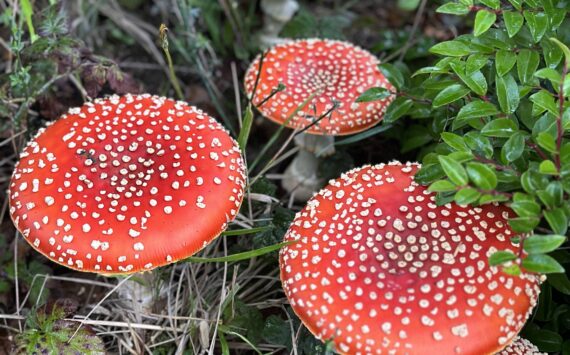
(500, 127)
(475, 62)
(453, 9)
(393, 74)
(513, 147)
(541, 263)
(453, 48)
(482, 176)
(408, 5)
(397, 109)
(450, 94)
(454, 141)
(239, 256)
(546, 141)
(550, 74)
(373, 94)
(507, 93)
(475, 81)
(483, 21)
(527, 63)
(516, 3)
(467, 196)
(442, 186)
(541, 244)
(454, 170)
(504, 61)
(543, 101)
(548, 167)
(524, 224)
(246, 128)
(544, 339)
(560, 282)
(537, 23)
(493, 4)
(513, 22)
(501, 257)
(477, 109)
(557, 220)
(563, 47)
(526, 208)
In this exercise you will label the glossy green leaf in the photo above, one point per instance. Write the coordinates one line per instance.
(476, 109)
(548, 167)
(504, 61)
(541, 244)
(397, 109)
(450, 94)
(454, 141)
(550, 74)
(373, 94)
(453, 9)
(546, 141)
(560, 282)
(453, 48)
(467, 196)
(482, 176)
(501, 257)
(484, 19)
(537, 23)
(454, 170)
(500, 127)
(513, 22)
(513, 147)
(507, 93)
(442, 186)
(393, 74)
(563, 47)
(527, 63)
(524, 224)
(557, 220)
(541, 263)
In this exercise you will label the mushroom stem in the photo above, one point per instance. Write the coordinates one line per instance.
(301, 176)
(276, 14)
(138, 293)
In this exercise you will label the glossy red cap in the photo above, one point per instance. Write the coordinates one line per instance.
(127, 184)
(379, 268)
(334, 71)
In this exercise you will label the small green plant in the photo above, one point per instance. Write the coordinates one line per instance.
(47, 332)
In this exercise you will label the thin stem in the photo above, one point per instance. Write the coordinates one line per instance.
(163, 33)
(560, 114)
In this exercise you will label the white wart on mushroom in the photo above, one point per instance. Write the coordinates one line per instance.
(127, 183)
(334, 71)
(378, 267)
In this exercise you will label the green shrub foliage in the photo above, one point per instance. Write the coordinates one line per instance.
(496, 117)
(497, 104)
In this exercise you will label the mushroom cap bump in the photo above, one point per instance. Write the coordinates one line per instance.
(520, 346)
(126, 184)
(378, 268)
(334, 71)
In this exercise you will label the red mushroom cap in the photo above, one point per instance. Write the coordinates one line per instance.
(378, 267)
(333, 70)
(126, 184)
(520, 346)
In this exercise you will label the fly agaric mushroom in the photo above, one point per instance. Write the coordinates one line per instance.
(520, 346)
(126, 184)
(378, 267)
(336, 73)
